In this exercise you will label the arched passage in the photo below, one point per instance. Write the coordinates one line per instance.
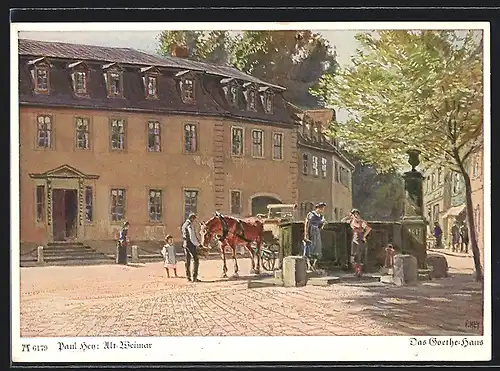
(259, 203)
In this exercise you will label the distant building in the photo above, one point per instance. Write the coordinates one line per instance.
(325, 174)
(445, 201)
(114, 134)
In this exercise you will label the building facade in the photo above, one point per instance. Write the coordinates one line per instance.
(445, 198)
(325, 174)
(111, 134)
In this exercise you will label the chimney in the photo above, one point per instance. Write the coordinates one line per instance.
(180, 51)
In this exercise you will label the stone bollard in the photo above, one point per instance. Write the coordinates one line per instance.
(40, 255)
(439, 266)
(294, 271)
(121, 254)
(405, 271)
(135, 254)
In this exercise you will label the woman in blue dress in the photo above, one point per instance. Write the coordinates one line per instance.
(312, 235)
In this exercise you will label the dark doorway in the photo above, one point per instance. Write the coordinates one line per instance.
(259, 204)
(64, 211)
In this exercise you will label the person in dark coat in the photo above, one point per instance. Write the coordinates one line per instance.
(464, 236)
(313, 247)
(455, 237)
(191, 244)
(438, 235)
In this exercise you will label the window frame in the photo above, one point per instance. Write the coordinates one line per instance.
(252, 93)
(108, 75)
(51, 140)
(281, 146)
(185, 99)
(74, 74)
(233, 128)
(43, 66)
(268, 102)
(78, 131)
(197, 197)
(148, 94)
(315, 166)
(160, 214)
(305, 163)
(324, 167)
(184, 138)
(262, 154)
(124, 197)
(336, 170)
(159, 135)
(124, 121)
(231, 205)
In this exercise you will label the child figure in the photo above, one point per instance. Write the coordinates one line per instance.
(168, 252)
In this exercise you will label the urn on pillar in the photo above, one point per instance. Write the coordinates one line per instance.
(413, 222)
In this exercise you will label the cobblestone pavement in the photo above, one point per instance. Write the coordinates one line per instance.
(111, 300)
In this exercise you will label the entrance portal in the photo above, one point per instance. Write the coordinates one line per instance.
(259, 204)
(65, 212)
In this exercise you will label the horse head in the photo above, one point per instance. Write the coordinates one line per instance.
(208, 230)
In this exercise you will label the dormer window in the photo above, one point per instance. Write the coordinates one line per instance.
(268, 102)
(252, 100)
(150, 79)
(267, 99)
(187, 90)
(231, 90)
(114, 80)
(152, 83)
(233, 95)
(79, 77)
(41, 75)
(115, 84)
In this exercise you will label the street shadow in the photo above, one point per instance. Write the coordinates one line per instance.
(244, 278)
(447, 306)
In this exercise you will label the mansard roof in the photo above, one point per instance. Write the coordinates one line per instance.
(131, 57)
(210, 96)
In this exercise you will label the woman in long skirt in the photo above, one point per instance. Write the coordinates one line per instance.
(360, 230)
(313, 246)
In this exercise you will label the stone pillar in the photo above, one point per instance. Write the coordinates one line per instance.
(405, 271)
(40, 259)
(294, 271)
(413, 231)
(135, 254)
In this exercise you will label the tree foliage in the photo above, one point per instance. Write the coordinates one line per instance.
(295, 60)
(412, 90)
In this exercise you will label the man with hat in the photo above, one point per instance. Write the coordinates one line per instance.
(312, 235)
(122, 244)
(191, 244)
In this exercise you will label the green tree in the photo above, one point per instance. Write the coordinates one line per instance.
(295, 60)
(413, 89)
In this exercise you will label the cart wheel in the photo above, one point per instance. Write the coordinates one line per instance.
(268, 260)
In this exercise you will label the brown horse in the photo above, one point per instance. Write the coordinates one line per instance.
(233, 232)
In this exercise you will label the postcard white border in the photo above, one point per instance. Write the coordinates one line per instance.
(232, 349)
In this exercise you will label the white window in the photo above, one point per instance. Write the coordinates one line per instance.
(117, 128)
(152, 86)
(44, 131)
(257, 143)
(80, 82)
(187, 90)
(315, 166)
(237, 141)
(305, 163)
(323, 167)
(277, 146)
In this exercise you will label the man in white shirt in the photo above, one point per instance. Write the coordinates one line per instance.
(190, 244)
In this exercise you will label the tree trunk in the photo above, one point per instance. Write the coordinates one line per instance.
(472, 226)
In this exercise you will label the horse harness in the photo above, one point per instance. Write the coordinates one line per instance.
(239, 232)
